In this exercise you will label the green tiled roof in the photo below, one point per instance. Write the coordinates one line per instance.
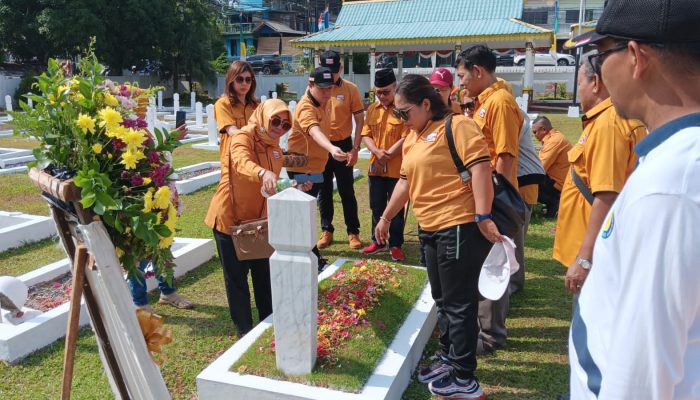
(424, 19)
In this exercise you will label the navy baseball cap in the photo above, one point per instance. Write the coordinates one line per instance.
(331, 59)
(321, 77)
(652, 21)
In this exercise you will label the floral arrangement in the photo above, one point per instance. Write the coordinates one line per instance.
(94, 132)
(343, 308)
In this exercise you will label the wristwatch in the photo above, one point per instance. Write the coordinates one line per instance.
(482, 217)
(585, 264)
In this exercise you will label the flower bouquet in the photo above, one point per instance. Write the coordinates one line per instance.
(93, 132)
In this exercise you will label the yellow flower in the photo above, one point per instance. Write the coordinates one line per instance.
(62, 89)
(97, 148)
(172, 218)
(74, 84)
(86, 123)
(109, 117)
(117, 132)
(363, 268)
(131, 158)
(52, 98)
(162, 197)
(146, 181)
(79, 97)
(148, 200)
(119, 251)
(133, 139)
(111, 100)
(361, 312)
(165, 242)
(109, 156)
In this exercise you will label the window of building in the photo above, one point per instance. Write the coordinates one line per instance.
(572, 16)
(536, 17)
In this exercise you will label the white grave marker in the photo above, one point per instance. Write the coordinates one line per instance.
(294, 279)
(263, 98)
(176, 103)
(198, 117)
(8, 106)
(274, 95)
(193, 100)
(212, 131)
(160, 99)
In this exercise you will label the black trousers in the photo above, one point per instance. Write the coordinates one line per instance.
(549, 196)
(380, 190)
(315, 189)
(454, 257)
(343, 176)
(236, 281)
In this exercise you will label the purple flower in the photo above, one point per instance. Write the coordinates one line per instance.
(125, 175)
(153, 157)
(118, 144)
(136, 180)
(141, 122)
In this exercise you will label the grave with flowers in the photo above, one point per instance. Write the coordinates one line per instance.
(354, 332)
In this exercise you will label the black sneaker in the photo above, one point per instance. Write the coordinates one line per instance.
(439, 368)
(322, 264)
(451, 387)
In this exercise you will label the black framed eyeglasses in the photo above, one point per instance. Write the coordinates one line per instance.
(402, 114)
(596, 60)
(277, 121)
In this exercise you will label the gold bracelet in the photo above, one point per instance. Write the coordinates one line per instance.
(385, 219)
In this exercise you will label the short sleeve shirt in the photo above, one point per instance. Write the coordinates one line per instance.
(440, 198)
(385, 130)
(554, 156)
(499, 118)
(308, 114)
(604, 158)
(227, 114)
(344, 103)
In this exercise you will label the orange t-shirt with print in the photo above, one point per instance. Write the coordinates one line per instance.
(499, 118)
(385, 130)
(440, 198)
(308, 114)
(604, 158)
(345, 102)
(225, 114)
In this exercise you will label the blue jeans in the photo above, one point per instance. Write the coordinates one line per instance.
(138, 286)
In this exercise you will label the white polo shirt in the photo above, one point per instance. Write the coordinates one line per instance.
(636, 332)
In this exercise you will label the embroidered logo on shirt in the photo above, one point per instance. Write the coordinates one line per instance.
(430, 138)
(608, 225)
(276, 154)
(582, 139)
(482, 113)
(340, 97)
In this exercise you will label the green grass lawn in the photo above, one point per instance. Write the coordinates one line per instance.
(532, 366)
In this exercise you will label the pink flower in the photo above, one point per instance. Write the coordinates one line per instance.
(153, 157)
(136, 180)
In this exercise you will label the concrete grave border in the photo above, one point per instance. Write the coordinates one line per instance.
(34, 228)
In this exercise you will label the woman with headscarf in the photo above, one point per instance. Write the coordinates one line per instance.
(252, 160)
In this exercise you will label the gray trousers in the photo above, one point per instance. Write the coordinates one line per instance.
(492, 314)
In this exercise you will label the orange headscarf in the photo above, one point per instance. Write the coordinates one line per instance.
(259, 123)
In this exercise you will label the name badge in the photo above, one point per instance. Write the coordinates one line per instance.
(340, 97)
(482, 113)
(276, 154)
(430, 138)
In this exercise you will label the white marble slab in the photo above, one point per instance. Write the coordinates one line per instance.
(18, 229)
(185, 186)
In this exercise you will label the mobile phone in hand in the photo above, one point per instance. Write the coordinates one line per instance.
(180, 118)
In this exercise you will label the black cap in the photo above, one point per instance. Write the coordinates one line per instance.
(384, 77)
(331, 60)
(655, 21)
(321, 77)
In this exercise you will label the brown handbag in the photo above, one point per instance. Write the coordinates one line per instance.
(250, 240)
(249, 237)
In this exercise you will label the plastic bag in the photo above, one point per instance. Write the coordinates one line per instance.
(499, 265)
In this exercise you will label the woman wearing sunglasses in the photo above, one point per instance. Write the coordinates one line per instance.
(237, 104)
(252, 160)
(456, 231)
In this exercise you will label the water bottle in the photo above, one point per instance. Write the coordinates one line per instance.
(282, 183)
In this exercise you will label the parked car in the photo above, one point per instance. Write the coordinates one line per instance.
(546, 59)
(265, 63)
(504, 58)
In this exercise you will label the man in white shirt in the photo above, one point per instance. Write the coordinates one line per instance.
(636, 331)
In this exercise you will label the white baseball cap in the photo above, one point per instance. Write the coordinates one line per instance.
(499, 265)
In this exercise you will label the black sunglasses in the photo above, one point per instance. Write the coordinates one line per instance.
(276, 121)
(596, 60)
(247, 79)
(402, 114)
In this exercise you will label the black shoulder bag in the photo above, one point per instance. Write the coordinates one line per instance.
(508, 208)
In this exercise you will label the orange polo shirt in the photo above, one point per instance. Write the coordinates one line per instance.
(604, 158)
(307, 115)
(345, 102)
(226, 114)
(499, 118)
(245, 157)
(554, 158)
(440, 199)
(385, 130)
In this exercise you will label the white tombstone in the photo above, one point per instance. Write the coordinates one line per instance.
(292, 106)
(198, 117)
(160, 99)
(176, 103)
(8, 106)
(574, 112)
(263, 98)
(193, 100)
(274, 95)
(212, 131)
(30, 103)
(294, 279)
(151, 116)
